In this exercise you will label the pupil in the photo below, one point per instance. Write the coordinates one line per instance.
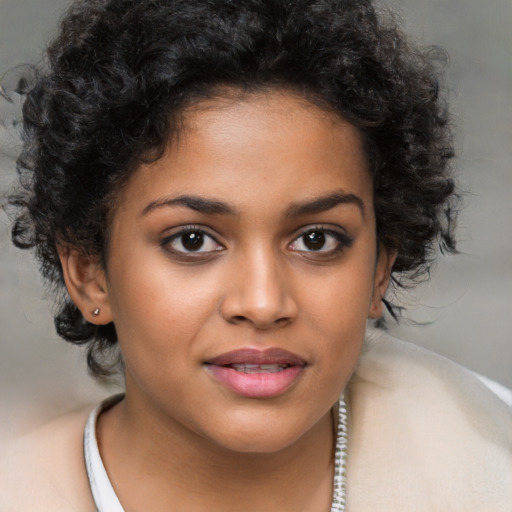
(314, 240)
(192, 241)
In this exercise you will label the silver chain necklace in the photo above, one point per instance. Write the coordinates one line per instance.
(340, 460)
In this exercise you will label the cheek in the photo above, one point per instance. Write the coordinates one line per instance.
(341, 299)
(339, 322)
(156, 305)
(159, 320)
(339, 306)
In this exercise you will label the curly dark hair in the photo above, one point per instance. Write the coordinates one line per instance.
(120, 72)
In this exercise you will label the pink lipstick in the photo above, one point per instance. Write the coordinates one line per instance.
(256, 373)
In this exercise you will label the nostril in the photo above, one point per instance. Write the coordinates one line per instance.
(240, 319)
(237, 319)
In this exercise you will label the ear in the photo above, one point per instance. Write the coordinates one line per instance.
(385, 260)
(86, 284)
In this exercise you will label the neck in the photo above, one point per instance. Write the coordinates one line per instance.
(181, 470)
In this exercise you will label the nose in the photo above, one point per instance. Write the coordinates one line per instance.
(259, 293)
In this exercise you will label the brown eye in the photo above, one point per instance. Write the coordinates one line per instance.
(314, 240)
(322, 241)
(191, 240)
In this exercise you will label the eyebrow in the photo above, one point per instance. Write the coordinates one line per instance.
(324, 203)
(199, 204)
(214, 207)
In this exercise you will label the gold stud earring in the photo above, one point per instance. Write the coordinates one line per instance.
(96, 312)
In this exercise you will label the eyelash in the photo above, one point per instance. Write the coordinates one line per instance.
(341, 240)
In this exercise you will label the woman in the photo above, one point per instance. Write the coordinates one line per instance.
(225, 190)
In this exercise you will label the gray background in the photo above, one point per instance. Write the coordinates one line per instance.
(467, 305)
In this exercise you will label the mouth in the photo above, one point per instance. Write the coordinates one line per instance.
(259, 368)
(256, 373)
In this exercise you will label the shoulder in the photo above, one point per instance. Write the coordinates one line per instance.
(444, 438)
(44, 470)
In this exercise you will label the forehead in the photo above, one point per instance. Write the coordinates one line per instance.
(272, 148)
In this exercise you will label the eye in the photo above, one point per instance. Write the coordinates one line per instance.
(191, 240)
(321, 240)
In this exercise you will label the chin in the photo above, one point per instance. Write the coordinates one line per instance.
(258, 444)
(265, 434)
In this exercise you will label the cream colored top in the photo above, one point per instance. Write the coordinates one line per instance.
(425, 435)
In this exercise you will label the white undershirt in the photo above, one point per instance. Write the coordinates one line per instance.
(102, 491)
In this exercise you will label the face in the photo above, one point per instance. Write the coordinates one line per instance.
(241, 271)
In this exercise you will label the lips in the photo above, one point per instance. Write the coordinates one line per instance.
(256, 373)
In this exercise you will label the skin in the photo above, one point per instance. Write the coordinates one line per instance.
(253, 283)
